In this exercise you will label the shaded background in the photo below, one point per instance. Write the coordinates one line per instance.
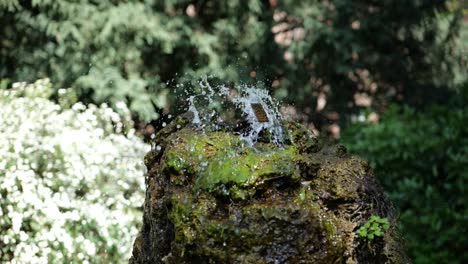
(387, 78)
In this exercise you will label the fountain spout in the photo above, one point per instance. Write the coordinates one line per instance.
(260, 113)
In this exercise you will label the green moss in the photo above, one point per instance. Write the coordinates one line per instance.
(305, 195)
(176, 163)
(240, 193)
(191, 150)
(150, 157)
(221, 159)
(251, 168)
(181, 214)
(303, 138)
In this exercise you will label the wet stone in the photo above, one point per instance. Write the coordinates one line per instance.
(212, 198)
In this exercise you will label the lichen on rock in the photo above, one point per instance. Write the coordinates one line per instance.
(212, 199)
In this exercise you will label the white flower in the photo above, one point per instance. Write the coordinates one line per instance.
(16, 221)
(64, 172)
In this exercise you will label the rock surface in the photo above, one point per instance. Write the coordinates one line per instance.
(210, 199)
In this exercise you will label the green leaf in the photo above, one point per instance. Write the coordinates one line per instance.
(362, 232)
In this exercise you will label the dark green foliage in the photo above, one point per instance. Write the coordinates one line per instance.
(384, 50)
(421, 160)
(134, 51)
(113, 51)
(375, 227)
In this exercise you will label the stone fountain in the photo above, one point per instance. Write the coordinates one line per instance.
(264, 192)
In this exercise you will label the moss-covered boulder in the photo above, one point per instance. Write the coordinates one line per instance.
(212, 199)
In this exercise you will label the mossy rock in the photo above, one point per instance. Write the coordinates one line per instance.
(212, 199)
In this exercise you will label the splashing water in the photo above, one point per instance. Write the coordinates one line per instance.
(261, 113)
(196, 117)
(207, 104)
(257, 107)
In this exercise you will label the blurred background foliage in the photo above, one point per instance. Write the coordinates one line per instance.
(388, 75)
(420, 158)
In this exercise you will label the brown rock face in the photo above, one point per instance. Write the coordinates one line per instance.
(210, 199)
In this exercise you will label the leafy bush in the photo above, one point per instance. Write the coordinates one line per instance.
(133, 51)
(71, 180)
(361, 53)
(421, 160)
(112, 51)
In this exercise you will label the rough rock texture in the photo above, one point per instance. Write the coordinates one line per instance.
(210, 199)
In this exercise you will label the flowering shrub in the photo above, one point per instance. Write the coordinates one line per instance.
(71, 179)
